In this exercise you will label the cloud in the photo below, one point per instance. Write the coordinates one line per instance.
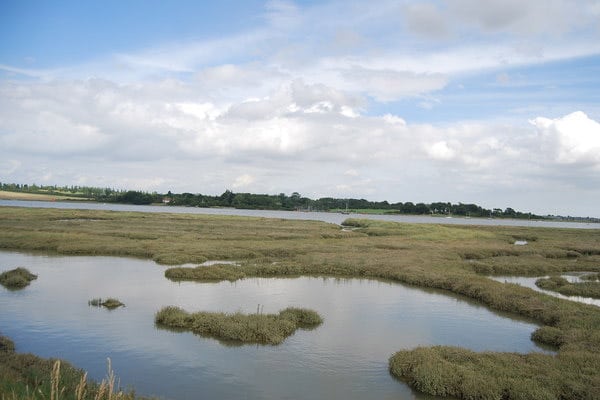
(572, 139)
(426, 19)
(387, 85)
(533, 17)
(309, 96)
(9, 166)
(441, 151)
(243, 181)
(161, 132)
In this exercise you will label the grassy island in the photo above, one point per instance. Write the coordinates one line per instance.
(448, 257)
(245, 328)
(563, 286)
(16, 278)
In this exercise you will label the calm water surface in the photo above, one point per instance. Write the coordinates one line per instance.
(344, 358)
(334, 218)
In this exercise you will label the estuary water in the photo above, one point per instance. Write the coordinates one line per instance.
(334, 218)
(365, 322)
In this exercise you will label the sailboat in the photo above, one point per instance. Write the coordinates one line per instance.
(346, 211)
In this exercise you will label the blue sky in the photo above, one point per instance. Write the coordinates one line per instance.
(493, 102)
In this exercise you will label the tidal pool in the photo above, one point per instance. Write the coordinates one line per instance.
(365, 322)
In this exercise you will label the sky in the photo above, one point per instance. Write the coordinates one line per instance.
(493, 102)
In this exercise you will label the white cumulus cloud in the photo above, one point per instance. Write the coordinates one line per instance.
(572, 139)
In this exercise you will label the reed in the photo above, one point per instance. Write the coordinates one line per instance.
(27, 377)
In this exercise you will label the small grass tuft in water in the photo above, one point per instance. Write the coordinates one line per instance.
(16, 278)
(110, 303)
(246, 328)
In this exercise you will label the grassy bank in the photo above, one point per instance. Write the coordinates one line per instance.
(245, 328)
(561, 285)
(17, 278)
(28, 377)
(452, 258)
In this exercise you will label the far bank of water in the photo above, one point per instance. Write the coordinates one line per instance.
(365, 322)
(330, 217)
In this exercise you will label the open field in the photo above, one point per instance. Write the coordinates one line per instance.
(4, 195)
(452, 258)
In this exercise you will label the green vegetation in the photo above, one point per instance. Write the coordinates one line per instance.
(280, 201)
(16, 278)
(252, 328)
(28, 377)
(448, 257)
(563, 286)
(109, 303)
(591, 277)
(461, 373)
(214, 273)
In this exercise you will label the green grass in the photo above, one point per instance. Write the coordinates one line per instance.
(561, 285)
(448, 257)
(452, 371)
(28, 377)
(245, 328)
(17, 278)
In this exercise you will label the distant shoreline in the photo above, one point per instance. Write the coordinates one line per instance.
(324, 216)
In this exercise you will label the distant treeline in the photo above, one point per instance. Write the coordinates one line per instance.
(297, 202)
(267, 202)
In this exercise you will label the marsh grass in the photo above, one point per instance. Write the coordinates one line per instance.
(461, 373)
(28, 377)
(110, 303)
(17, 278)
(245, 328)
(591, 277)
(561, 285)
(451, 258)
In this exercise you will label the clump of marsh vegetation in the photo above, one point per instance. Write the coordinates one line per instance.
(461, 373)
(246, 328)
(16, 278)
(28, 377)
(561, 285)
(110, 303)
